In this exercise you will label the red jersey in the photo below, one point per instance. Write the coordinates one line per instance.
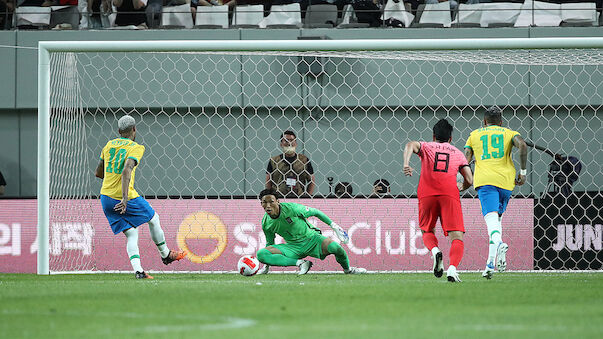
(440, 162)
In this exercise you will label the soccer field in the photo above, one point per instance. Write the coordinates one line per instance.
(518, 305)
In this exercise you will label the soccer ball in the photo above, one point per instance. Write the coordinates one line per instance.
(248, 265)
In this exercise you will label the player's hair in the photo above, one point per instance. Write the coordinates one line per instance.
(288, 132)
(493, 115)
(125, 124)
(269, 191)
(442, 130)
(383, 183)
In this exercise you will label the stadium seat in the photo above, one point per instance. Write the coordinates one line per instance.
(212, 17)
(33, 16)
(499, 14)
(581, 14)
(469, 15)
(283, 16)
(320, 16)
(399, 11)
(433, 15)
(349, 19)
(176, 16)
(248, 16)
(538, 13)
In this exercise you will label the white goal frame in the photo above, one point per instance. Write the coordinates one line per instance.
(45, 48)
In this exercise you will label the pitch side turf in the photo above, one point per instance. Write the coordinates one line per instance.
(512, 305)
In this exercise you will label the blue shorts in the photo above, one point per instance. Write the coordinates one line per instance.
(493, 199)
(138, 212)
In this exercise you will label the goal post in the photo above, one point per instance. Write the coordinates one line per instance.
(92, 86)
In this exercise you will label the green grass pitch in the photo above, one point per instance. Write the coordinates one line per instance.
(511, 305)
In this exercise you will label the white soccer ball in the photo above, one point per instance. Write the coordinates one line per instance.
(248, 265)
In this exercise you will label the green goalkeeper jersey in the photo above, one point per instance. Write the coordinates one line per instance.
(292, 223)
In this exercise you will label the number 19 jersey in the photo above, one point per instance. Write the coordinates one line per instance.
(114, 156)
(491, 147)
(440, 162)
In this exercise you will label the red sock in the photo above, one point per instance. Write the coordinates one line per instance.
(456, 252)
(430, 240)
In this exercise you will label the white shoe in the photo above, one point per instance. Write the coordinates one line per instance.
(438, 265)
(452, 275)
(489, 271)
(501, 256)
(264, 270)
(304, 267)
(355, 270)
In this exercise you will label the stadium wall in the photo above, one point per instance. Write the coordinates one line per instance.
(18, 121)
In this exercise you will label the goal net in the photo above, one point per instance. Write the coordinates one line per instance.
(211, 117)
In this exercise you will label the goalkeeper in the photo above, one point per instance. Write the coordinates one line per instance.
(289, 220)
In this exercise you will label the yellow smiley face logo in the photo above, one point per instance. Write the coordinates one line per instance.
(202, 226)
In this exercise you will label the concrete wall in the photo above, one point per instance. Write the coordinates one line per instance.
(235, 140)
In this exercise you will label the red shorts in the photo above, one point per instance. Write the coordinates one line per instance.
(444, 207)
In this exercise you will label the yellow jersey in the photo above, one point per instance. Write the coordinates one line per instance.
(491, 147)
(114, 156)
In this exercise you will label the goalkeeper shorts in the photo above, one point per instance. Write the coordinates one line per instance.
(312, 247)
(138, 212)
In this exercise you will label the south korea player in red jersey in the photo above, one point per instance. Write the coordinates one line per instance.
(438, 194)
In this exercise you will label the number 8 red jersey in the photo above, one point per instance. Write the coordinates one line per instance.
(440, 162)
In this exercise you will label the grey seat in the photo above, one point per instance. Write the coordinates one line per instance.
(320, 16)
(416, 23)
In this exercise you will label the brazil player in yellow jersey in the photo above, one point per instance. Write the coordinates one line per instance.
(494, 179)
(289, 220)
(124, 208)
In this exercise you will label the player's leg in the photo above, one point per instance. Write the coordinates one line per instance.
(428, 215)
(457, 246)
(454, 228)
(502, 248)
(119, 224)
(328, 246)
(283, 255)
(489, 200)
(139, 211)
(167, 256)
(134, 253)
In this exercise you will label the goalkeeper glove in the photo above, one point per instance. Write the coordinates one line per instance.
(340, 233)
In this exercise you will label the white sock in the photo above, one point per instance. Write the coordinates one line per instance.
(494, 234)
(132, 248)
(451, 269)
(434, 251)
(158, 236)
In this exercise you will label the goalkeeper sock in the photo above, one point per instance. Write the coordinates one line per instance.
(132, 248)
(430, 240)
(272, 259)
(340, 255)
(456, 252)
(158, 236)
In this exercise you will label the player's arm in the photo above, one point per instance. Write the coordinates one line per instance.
(312, 185)
(306, 212)
(467, 176)
(268, 176)
(411, 147)
(100, 170)
(523, 159)
(126, 176)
